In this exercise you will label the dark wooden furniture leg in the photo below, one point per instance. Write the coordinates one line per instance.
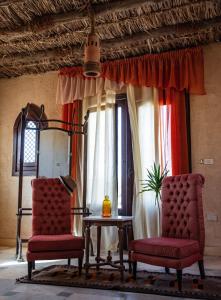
(80, 261)
(87, 250)
(179, 274)
(69, 262)
(129, 262)
(130, 238)
(33, 265)
(134, 263)
(121, 253)
(167, 270)
(29, 269)
(201, 268)
(98, 246)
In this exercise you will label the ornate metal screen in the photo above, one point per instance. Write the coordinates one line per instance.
(30, 144)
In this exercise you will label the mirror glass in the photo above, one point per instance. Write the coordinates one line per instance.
(54, 153)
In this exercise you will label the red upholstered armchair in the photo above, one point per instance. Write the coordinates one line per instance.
(51, 225)
(182, 240)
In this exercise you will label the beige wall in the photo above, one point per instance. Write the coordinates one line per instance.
(206, 143)
(14, 94)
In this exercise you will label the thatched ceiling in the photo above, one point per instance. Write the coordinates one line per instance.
(42, 35)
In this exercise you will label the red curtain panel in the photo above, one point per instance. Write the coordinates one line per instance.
(72, 112)
(175, 106)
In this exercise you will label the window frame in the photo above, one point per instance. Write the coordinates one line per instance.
(127, 178)
(29, 169)
(127, 167)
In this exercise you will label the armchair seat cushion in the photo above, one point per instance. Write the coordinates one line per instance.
(166, 247)
(61, 242)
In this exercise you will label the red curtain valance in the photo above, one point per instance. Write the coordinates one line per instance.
(181, 69)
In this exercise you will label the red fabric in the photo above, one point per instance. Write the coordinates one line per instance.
(182, 210)
(50, 207)
(166, 261)
(180, 69)
(62, 242)
(166, 247)
(176, 114)
(51, 230)
(32, 256)
(69, 111)
(183, 234)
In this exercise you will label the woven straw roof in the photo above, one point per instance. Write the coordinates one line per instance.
(44, 35)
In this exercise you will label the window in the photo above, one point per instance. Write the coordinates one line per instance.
(30, 142)
(121, 146)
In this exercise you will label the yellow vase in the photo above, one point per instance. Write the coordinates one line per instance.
(106, 207)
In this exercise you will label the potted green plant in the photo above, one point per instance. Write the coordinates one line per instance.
(153, 183)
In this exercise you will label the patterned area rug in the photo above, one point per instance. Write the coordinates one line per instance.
(147, 282)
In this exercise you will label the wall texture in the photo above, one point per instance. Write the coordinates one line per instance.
(205, 130)
(206, 143)
(14, 94)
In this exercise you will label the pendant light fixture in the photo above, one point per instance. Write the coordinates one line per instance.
(92, 65)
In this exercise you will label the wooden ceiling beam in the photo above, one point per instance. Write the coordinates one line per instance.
(112, 44)
(42, 57)
(10, 2)
(75, 36)
(100, 10)
(45, 23)
(179, 29)
(118, 6)
(170, 43)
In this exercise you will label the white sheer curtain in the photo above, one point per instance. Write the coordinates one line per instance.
(101, 174)
(143, 112)
(101, 168)
(165, 137)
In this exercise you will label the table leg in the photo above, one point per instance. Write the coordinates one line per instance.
(98, 246)
(121, 253)
(87, 250)
(130, 233)
(130, 238)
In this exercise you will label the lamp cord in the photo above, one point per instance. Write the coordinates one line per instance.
(91, 16)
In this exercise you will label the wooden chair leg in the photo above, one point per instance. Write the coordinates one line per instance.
(33, 265)
(129, 262)
(69, 262)
(167, 270)
(134, 263)
(201, 268)
(179, 274)
(80, 262)
(29, 269)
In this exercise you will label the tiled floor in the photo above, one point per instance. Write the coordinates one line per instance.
(10, 269)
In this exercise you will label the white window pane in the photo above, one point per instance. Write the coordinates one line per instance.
(30, 144)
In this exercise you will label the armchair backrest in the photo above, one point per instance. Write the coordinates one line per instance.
(51, 207)
(182, 208)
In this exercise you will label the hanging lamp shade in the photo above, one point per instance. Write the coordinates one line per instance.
(92, 65)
